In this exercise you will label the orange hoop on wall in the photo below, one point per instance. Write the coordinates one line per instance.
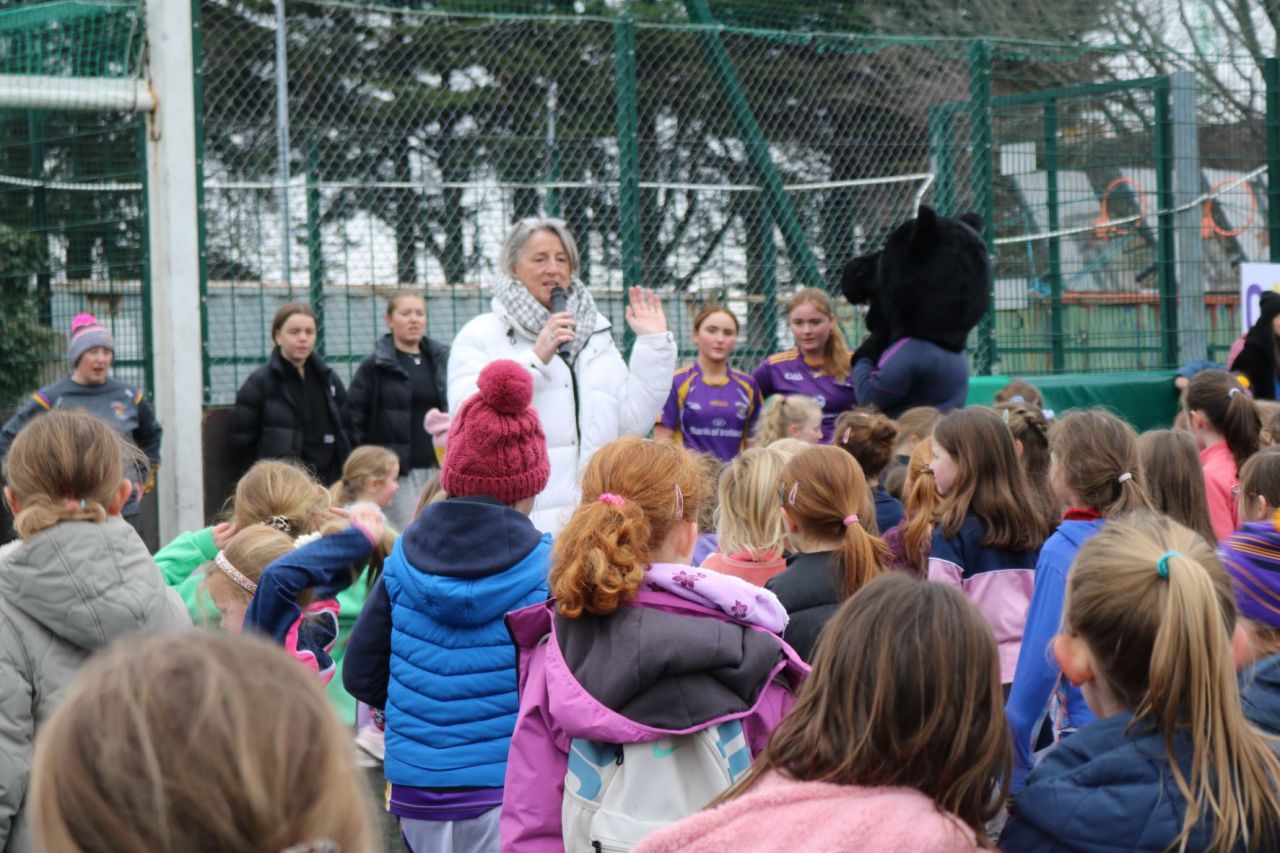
(1101, 229)
(1210, 228)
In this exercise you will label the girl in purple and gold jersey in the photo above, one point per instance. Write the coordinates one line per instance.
(712, 408)
(818, 366)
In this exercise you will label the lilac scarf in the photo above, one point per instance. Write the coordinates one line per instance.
(741, 601)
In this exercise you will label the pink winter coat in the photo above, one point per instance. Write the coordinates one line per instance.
(781, 814)
(556, 707)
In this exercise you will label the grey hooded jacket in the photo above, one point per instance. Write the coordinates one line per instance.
(64, 593)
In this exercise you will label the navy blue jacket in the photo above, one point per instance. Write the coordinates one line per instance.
(431, 645)
(1260, 691)
(1105, 790)
(326, 566)
(912, 372)
(888, 509)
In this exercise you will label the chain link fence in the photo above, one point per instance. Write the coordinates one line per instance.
(72, 215)
(713, 150)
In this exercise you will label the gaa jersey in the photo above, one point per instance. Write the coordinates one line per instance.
(712, 417)
(788, 373)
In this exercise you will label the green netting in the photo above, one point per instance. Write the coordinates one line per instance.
(72, 39)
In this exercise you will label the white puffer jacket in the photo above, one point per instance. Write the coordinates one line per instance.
(612, 400)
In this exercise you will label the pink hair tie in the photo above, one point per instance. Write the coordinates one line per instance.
(611, 499)
(850, 519)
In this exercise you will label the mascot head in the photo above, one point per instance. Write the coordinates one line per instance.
(932, 281)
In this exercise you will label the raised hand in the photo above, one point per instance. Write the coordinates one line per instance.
(644, 313)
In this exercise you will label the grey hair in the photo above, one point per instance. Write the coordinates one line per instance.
(526, 228)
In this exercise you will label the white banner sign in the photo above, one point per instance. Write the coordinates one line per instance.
(1255, 279)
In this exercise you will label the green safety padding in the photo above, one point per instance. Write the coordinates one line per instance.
(1144, 398)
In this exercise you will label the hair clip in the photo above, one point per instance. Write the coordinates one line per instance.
(1234, 391)
(850, 519)
(279, 522)
(791, 498)
(679, 503)
(847, 432)
(1017, 398)
(1005, 412)
(220, 560)
(1124, 478)
(1162, 564)
(612, 500)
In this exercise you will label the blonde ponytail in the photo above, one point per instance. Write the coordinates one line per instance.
(1155, 607)
(66, 466)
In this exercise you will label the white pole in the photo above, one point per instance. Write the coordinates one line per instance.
(174, 243)
(39, 92)
(282, 139)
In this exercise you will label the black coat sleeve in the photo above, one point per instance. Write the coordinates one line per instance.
(148, 433)
(1259, 366)
(360, 402)
(245, 431)
(366, 669)
(344, 418)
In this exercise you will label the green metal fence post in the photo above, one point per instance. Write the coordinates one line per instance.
(624, 43)
(40, 208)
(1056, 342)
(1271, 73)
(315, 246)
(803, 263)
(983, 183)
(941, 151)
(1166, 250)
(768, 273)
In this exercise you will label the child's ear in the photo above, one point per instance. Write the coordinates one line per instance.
(123, 492)
(1241, 654)
(1074, 658)
(688, 539)
(788, 523)
(11, 499)
(1259, 509)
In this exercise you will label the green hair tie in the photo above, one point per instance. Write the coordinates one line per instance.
(1162, 564)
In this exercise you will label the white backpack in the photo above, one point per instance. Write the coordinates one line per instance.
(616, 794)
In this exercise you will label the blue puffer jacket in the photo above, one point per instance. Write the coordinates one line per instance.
(433, 636)
(1260, 692)
(1105, 790)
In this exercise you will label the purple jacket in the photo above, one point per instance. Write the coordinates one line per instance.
(557, 655)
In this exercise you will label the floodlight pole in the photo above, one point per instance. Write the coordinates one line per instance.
(173, 241)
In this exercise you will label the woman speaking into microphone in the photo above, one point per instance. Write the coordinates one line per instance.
(585, 394)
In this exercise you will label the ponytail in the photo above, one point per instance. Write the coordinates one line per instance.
(921, 500)
(826, 495)
(610, 550)
(41, 513)
(1156, 609)
(1242, 427)
(634, 492)
(66, 466)
(1229, 409)
(864, 556)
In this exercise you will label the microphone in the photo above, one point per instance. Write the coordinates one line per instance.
(560, 304)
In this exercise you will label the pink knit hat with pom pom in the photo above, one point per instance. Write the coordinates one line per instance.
(496, 445)
(87, 333)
